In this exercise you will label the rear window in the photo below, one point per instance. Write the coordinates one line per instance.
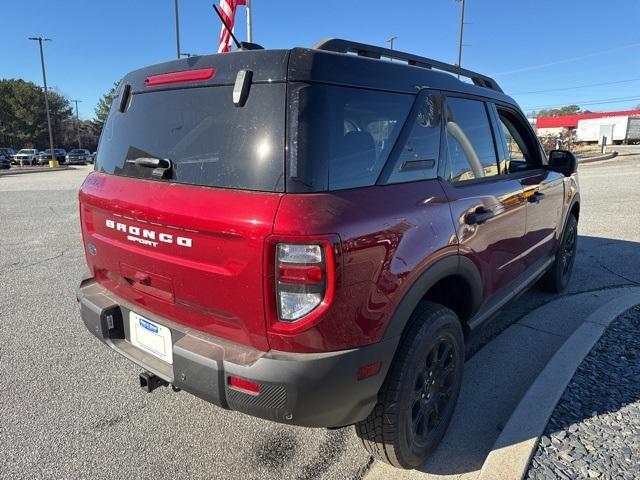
(341, 137)
(208, 140)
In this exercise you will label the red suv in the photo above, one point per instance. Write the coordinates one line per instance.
(310, 235)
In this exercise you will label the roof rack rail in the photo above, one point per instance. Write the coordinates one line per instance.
(372, 51)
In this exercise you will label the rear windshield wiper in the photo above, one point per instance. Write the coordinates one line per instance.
(162, 167)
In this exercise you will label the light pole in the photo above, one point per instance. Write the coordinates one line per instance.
(175, 3)
(461, 34)
(54, 162)
(77, 122)
(249, 22)
(390, 42)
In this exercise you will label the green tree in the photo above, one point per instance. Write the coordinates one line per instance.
(103, 107)
(23, 116)
(556, 112)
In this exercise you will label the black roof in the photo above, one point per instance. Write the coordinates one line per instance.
(332, 61)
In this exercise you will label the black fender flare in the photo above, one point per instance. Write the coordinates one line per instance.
(575, 199)
(452, 265)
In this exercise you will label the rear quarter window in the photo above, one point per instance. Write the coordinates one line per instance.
(341, 137)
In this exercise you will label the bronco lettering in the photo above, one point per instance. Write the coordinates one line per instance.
(141, 236)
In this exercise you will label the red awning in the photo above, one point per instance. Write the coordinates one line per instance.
(571, 121)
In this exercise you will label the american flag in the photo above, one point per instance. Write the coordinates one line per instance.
(228, 11)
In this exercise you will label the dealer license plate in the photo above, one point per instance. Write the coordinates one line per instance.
(151, 337)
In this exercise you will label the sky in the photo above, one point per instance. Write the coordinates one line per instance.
(544, 53)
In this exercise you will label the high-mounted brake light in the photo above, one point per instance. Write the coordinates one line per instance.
(196, 75)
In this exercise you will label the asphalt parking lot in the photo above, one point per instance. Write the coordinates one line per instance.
(71, 408)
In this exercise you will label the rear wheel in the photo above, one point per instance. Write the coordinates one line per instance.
(557, 277)
(417, 399)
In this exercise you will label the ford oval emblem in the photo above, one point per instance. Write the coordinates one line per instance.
(92, 249)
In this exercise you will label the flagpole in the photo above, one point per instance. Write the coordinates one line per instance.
(249, 32)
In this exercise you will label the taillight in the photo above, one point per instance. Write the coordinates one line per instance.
(301, 276)
(300, 279)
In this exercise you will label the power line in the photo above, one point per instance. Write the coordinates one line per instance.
(587, 102)
(576, 86)
(567, 60)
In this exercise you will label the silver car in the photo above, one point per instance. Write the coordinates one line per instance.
(27, 156)
(79, 156)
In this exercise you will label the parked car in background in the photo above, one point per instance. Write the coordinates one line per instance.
(79, 156)
(45, 155)
(6, 157)
(27, 156)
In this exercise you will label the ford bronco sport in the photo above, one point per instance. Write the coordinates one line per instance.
(310, 235)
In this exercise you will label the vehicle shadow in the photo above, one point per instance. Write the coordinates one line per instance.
(515, 346)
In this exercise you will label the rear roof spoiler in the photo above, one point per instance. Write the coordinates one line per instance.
(371, 51)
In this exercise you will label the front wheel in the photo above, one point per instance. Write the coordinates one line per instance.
(417, 399)
(556, 279)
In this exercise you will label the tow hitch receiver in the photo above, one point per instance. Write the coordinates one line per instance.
(149, 382)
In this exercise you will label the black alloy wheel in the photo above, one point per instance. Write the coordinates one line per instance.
(433, 389)
(556, 279)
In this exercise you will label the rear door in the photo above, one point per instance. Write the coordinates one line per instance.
(186, 242)
(522, 159)
(487, 209)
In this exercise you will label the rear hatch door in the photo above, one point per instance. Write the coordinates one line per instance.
(186, 243)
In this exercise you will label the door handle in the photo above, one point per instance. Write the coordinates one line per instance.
(536, 197)
(479, 217)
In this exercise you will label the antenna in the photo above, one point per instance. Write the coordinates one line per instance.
(235, 40)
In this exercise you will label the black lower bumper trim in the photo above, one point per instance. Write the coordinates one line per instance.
(313, 390)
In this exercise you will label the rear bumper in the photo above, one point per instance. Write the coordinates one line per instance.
(311, 390)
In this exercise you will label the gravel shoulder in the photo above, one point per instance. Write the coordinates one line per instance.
(594, 431)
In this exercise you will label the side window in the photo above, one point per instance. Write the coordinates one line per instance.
(472, 153)
(518, 150)
(418, 159)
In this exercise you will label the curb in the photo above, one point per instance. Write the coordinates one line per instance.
(598, 158)
(510, 456)
(11, 171)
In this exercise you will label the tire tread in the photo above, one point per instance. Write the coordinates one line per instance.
(374, 432)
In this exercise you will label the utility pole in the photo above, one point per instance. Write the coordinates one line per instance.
(54, 162)
(175, 3)
(249, 22)
(461, 34)
(77, 122)
(390, 42)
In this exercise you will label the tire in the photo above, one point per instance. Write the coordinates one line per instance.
(556, 279)
(407, 423)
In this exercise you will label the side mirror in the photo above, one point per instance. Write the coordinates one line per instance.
(563, 161)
